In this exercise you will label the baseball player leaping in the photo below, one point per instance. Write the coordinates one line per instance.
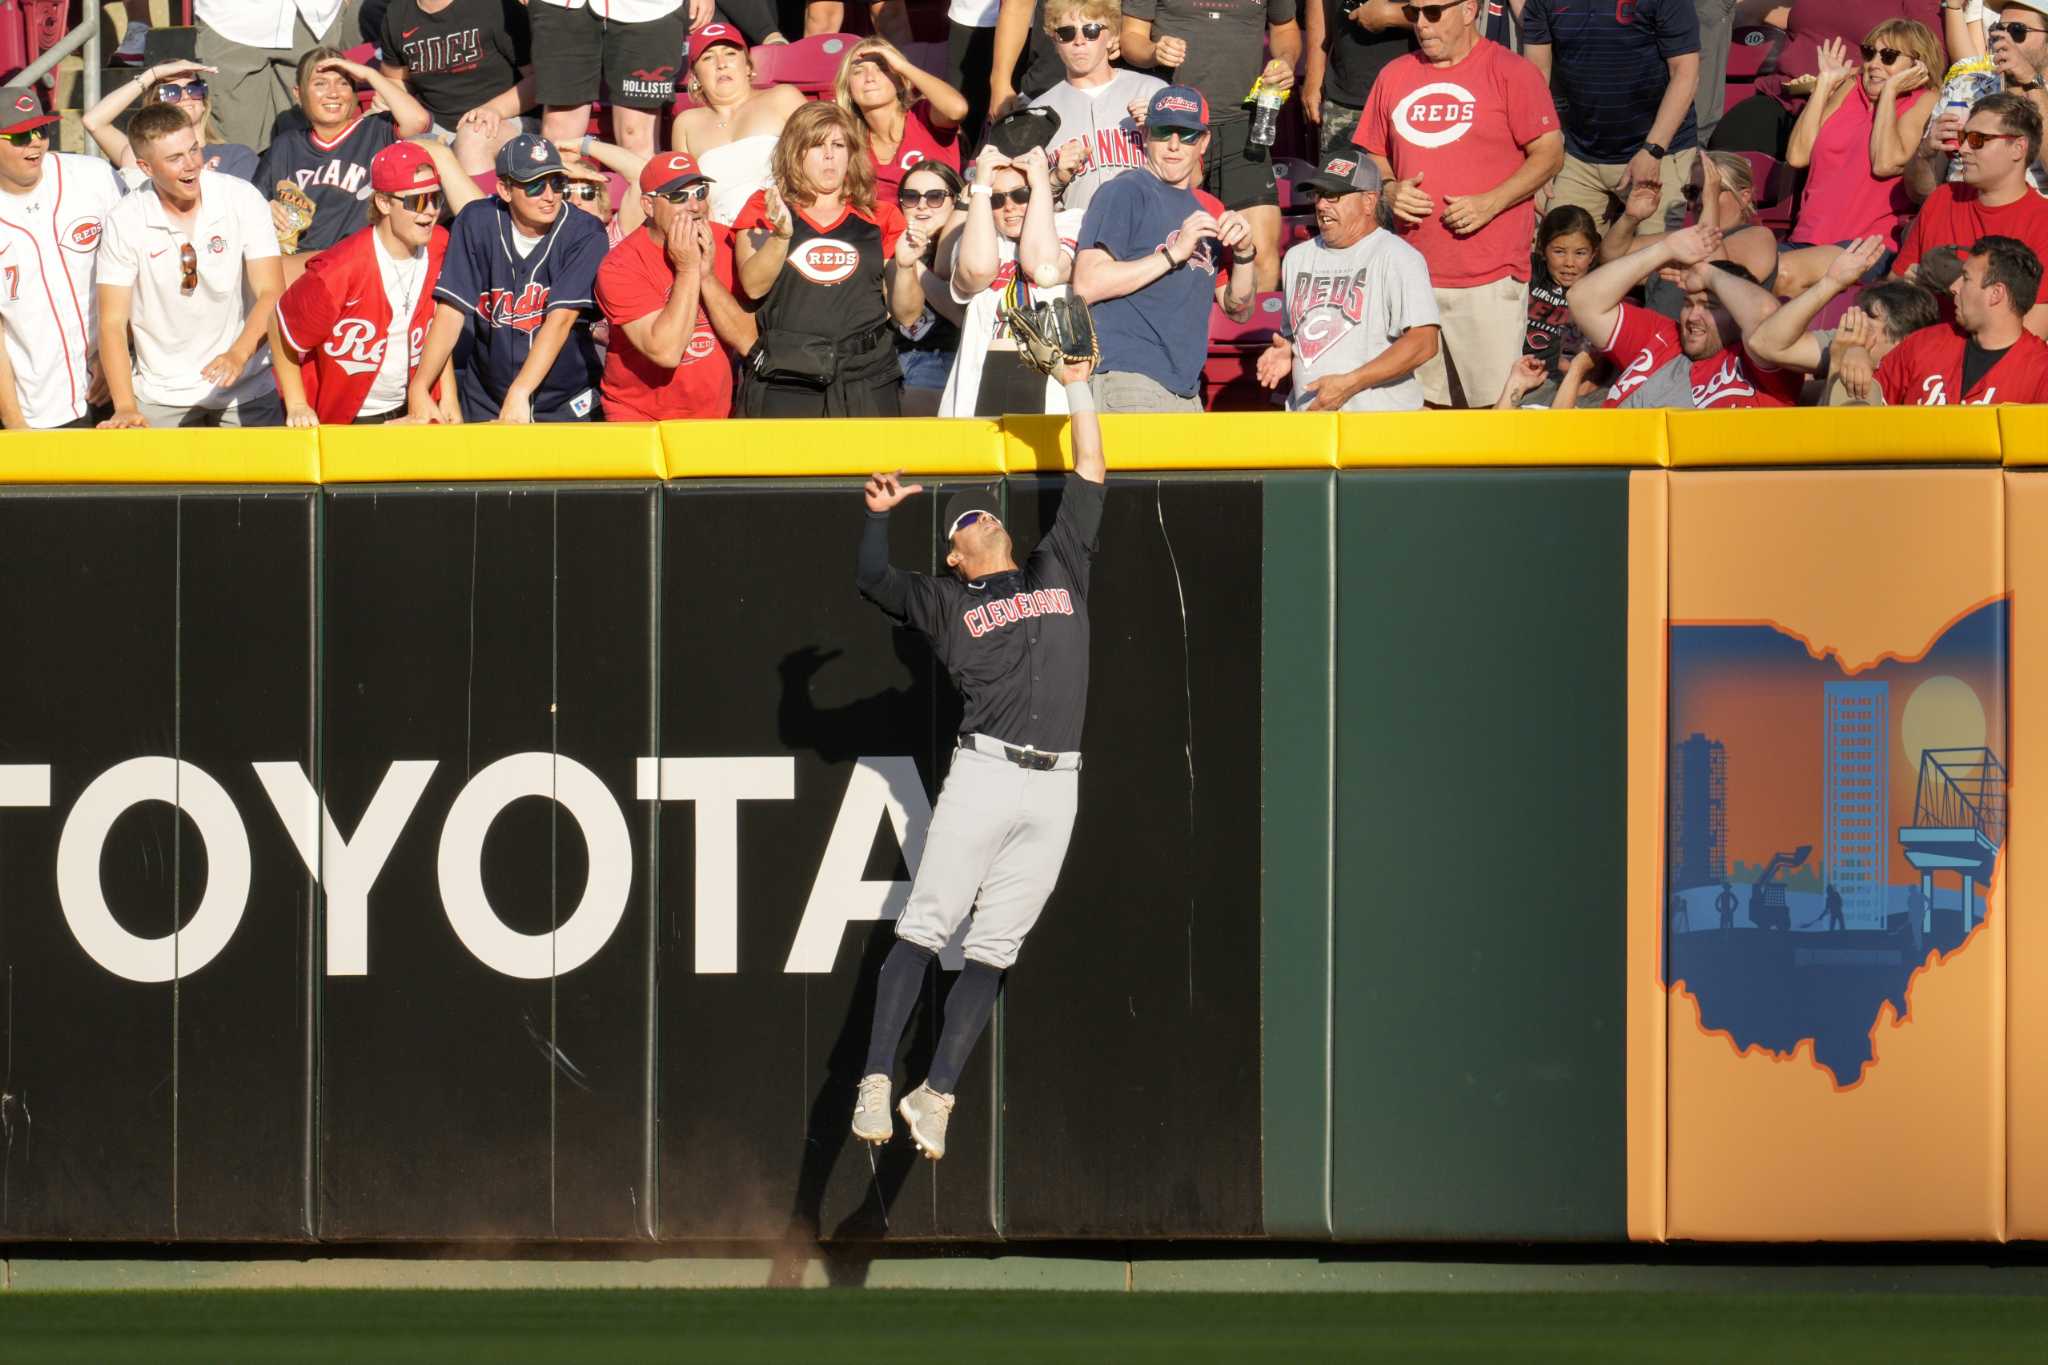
(1016, 643)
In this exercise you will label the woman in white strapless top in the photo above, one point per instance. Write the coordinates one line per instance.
(733, 127)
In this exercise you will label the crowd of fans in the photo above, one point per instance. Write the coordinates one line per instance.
(405, 212)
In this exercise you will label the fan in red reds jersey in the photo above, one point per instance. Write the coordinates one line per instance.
(356, 320)
(52, 207)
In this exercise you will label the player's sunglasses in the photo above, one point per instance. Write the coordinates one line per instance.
(2017, 32)
(967, 519)
(1066, 33)
(1187, 137)
(1975, 140)
(688, 194)
(170, 94)
(188, 263)
(547, 184)
(1316, 194)
(1888, 55)
(931, 199)
(22, 139)
(1433, 13)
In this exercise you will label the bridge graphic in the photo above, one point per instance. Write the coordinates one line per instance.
(1958, 826)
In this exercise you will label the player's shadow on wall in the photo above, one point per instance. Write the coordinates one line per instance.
(840, 735)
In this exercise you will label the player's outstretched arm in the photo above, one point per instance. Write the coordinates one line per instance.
(1086, 431)
(878, 580)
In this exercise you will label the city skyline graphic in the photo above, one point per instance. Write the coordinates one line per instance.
(1827, 833)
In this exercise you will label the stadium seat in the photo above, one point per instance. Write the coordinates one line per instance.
(1747, 51)
(13, 37)
(1230, 381)
(1288, 174)
(1831, 316)
(811, 65)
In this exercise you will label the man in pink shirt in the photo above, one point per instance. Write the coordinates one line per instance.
(1465, 132)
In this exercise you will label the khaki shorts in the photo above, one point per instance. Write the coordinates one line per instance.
(1600, 189)
(1481, 337)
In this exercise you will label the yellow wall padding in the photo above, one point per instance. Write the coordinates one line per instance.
(161, 455)
(1805, 436)
(2023, 434)
(1430, 439)
(482, 451)
(1646, 439)
(1181, 440)
(799, 447)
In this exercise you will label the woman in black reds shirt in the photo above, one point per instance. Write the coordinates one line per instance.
(832, 269)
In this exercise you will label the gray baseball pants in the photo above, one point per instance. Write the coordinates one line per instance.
(997, 839)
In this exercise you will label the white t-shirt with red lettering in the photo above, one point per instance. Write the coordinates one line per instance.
(1463, 127)
(1655, 373)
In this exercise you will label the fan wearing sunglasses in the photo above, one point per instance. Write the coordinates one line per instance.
(189, 267)
(1858, 130)
(2019, 49)
(520, 278)
(2001, 139)
(1221, 48)
(183, 85)
(1101, 106)
(925, 349)
(349, 331)
(49, 368)
(675, 326)
(1017, 248)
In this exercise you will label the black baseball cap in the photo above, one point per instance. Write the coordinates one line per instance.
(1344, 172)
(980, 500)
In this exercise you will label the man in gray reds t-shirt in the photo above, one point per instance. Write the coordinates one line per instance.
(1361, 315)
(1101, 106)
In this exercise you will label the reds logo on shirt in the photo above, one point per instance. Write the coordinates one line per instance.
(1730, 381)
(1435, 114)
(826, 260)
(82, 235)
(703, 345)
(358, 347)
(525, 310)
(911, 158)
(1323, 309)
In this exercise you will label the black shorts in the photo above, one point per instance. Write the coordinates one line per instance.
(636, 64)
(1238, 180)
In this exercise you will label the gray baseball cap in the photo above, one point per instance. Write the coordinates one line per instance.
(21, 109)
(1344, 172)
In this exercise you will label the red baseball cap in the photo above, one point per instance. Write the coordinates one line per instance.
(403, 168)
(670, 171)
(21, 109)
(710, 36)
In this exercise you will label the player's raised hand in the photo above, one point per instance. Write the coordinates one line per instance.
(884, 491)
(1276, 362)
(1073, 371)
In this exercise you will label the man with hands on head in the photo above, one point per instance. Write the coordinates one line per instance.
(1699, 362)
(1846, 355)
(1015, 641)
(1219, 47)
(1361, 317)
(1151, 253)
(1465, 133)
(189, 265)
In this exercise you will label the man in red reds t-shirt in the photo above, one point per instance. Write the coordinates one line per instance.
(1987, 355)
(1699, 363)
(1465, 132)
(1993, 199)
(669, 309)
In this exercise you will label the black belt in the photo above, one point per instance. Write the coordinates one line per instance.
(1036, 760)
(864, 341)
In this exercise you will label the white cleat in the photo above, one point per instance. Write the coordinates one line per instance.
(925, 1111)
(871, 1122)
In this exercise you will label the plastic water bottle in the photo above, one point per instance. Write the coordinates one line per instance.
(1265, 119)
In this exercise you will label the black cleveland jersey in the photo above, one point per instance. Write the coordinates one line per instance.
(1016, 643)
(335, 175)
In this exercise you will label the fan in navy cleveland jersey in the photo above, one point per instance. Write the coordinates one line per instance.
(521, 277)
(831, 268)
(327, 154)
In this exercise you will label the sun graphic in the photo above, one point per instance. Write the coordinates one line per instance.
(1942, 713)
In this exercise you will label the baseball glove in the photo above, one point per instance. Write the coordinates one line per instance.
(1052, 332)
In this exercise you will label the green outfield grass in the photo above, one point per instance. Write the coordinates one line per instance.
(564, 1327)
